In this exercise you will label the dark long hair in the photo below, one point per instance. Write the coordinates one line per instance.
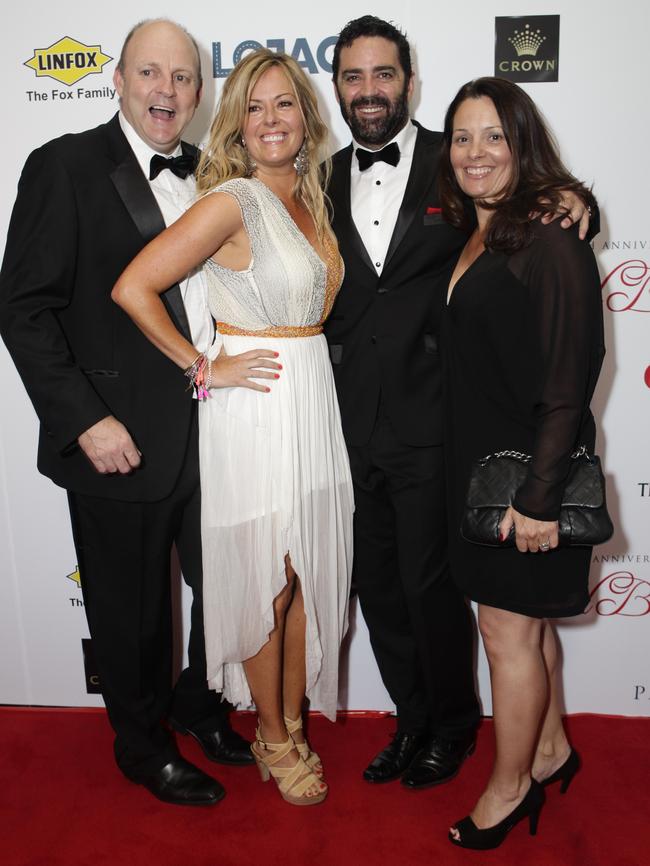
(538, 175)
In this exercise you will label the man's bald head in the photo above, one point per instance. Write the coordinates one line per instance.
(148, 21)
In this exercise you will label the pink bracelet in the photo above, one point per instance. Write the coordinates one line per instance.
(196, 373)
(201, 389)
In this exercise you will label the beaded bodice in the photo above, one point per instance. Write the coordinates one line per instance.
(286, 285)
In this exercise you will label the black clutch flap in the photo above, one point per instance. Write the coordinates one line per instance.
(495, 479)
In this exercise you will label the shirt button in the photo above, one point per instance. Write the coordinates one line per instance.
(373, 339)
(378, 182)
(377, 264)
(375, 222)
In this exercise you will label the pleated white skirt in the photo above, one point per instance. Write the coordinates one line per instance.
(275, 480)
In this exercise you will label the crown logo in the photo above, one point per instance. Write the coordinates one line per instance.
(526, 41)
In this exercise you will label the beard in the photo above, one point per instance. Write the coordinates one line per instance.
(379, 131)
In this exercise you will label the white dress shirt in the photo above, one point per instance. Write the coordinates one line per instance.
(376, 195)
(174, 195)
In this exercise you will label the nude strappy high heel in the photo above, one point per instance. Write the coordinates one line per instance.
(293, 782)
(310, 757)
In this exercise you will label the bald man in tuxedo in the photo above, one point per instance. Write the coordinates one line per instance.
(118, 425)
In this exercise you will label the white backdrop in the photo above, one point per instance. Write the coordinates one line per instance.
(597, 111)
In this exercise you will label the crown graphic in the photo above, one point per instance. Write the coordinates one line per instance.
(526, 41)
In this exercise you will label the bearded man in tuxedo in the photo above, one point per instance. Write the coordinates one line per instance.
(383, 340)
(118, 426)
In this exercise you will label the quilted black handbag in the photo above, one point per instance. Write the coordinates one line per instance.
(495, 479)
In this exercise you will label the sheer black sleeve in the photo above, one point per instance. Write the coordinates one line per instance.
(566, 329)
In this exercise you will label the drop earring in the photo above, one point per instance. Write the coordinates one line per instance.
(301, 162)
(251, 165)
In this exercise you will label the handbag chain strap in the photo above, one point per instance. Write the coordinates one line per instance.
(526, 458)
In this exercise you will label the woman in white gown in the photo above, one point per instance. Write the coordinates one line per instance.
(276, 490)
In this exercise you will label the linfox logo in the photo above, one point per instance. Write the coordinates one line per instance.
(68, 61)
(313, 58)
(75, 577)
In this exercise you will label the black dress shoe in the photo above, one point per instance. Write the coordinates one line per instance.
(222, 745)
(438, 761)
(183, 784)
(391, 762)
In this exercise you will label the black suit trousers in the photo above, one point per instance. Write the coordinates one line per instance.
(420, 626)
(124, 554)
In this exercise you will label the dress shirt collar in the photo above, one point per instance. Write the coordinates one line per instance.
(405, 139)
(140, 148)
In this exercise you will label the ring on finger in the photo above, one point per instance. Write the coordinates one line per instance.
(545, 545)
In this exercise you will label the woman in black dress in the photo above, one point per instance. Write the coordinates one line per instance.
(523, 338)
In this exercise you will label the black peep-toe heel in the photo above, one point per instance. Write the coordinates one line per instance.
(492, 837)
(565, 773)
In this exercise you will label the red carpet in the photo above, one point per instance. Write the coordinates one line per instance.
(64, 803)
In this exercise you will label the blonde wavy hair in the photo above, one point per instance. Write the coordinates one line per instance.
(225, 156)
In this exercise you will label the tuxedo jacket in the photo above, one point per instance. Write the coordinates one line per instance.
(383, 330)
(84, 209)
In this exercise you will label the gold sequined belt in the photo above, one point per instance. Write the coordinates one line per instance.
(274, 331)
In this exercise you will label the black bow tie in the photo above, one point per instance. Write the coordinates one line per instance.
(181, 165)
(389, 154)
